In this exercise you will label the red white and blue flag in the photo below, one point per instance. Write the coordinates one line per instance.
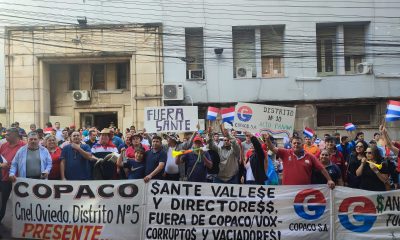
(308, 132)
(212, 113)
(349, 127)
(228, 114)
(393, 111)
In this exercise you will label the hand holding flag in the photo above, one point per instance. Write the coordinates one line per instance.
(308, 132)
(228, 114)
(393, 111)
(212, 113)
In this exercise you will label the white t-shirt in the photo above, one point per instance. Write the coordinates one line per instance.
(171, 167)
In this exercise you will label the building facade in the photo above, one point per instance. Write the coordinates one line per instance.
(80, 75)
(336, 62)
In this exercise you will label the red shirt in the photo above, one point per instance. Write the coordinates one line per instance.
(8, 154)
(297, 171)
(55, 167)
(130, 151)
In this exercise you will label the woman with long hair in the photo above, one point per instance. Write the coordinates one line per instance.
(356, 156)
(373, 172)
(55, 153)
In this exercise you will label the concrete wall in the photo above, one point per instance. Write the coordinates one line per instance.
(38, 72)
(218, 17)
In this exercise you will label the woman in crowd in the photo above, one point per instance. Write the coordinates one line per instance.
(333, 170)
(353, 180)
(55, 153)
(373, 172)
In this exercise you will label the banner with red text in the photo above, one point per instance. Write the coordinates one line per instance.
(77, 209)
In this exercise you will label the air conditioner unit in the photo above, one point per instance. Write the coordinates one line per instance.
(173, 91)
(244, 72)
(364, 68)
(196, 74)
(80, 95)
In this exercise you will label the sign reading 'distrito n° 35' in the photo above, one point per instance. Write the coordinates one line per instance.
(171, 119)
(276, 120)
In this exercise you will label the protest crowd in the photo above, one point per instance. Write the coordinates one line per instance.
(224, 156)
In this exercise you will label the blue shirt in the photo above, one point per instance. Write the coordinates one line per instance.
(76, 166)
(19, 162)
(152, 159)
(199, 174)
(117, 141)
(136, 169)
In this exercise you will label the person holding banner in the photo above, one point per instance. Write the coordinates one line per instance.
(31, 160)
(155, 160)
(75, 159)
(7, 153)
(228, 153)
(373, 172)
(333, 170)
(55, 153)
(297, 164)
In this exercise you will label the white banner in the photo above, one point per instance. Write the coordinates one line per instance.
(171, 119)
(77, 210)
(184, 210)
(276, 120)
(367, 215)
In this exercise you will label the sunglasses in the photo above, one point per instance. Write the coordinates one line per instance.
(226, 140)
(368, 152)
(324, 154)
(359, 146)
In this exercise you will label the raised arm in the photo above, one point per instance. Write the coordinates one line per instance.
(388, 141)
(270, 146)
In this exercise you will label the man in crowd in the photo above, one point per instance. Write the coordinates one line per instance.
(117, 141)
(31, 160)
(75, 158)
(196, 163)
(228, 153)
(246, 145)
(92, 138)
(335, 156)
(99, 151)
(7, 153)
(309, 147)
(298, 164)
(58, 129)
(49, 127)
(65, 138)
(155, 160)
(21, 131)
(345, 147)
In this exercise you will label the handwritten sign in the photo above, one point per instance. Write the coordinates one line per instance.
(171, 119)
(276, 120)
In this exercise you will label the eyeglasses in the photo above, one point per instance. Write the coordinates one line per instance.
(368, 152)
(226, 140)
(324, 154)
(359, 146)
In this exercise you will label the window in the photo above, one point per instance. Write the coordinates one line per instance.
(122, 70)
(272, 51)
(354, 46)
(244, 52)
(73, 77)
(98, 76)
(194, 53)
(338, 116)
(326, 48)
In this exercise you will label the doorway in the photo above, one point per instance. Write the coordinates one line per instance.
(99, 120)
